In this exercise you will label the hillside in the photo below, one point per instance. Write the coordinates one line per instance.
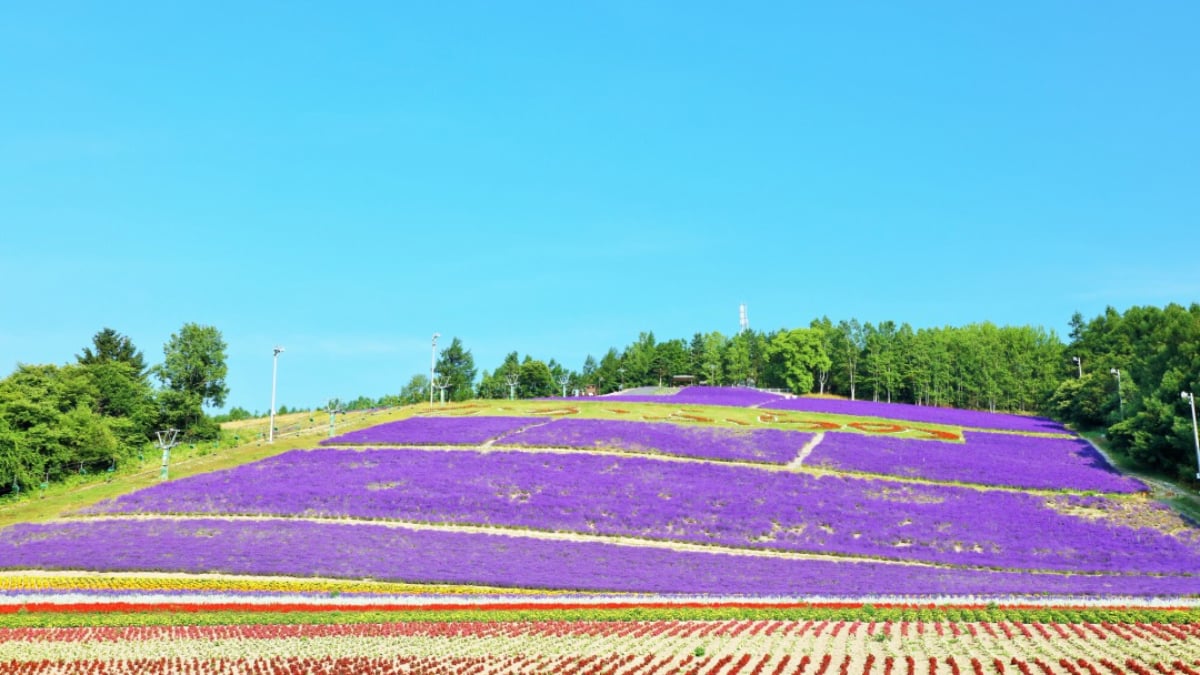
(708, 491)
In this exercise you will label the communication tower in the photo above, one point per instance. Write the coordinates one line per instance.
(743, 318)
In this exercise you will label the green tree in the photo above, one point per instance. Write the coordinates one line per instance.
(193, 374)
(111, 346)
(536, 379)
(795, 356)
(457, 365)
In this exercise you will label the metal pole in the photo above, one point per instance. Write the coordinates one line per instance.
(1191, 398)
(1078, 362)
(274, 372)
(1120, 396)
(432, 360)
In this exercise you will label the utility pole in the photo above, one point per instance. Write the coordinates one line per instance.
(166, 440)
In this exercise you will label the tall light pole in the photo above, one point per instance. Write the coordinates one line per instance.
(564, 380)
(621, 370)
(1079, 362)
(1120, 396)
(432, 360)
(1191, 398)
(274, 372)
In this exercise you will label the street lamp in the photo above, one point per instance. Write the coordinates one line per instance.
(564, 380)
(274, 372)
(1191, 398)
(621, 370)
(1079, 362)
(432, 359)
(1120, 396)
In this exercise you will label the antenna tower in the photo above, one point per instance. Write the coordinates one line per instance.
(743, 318)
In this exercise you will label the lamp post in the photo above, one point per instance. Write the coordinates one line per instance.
(621, 370)
(1191, 398)
(274, 372)
(564, 380)
(1079, 362)
(1120, 396)
(432, 360)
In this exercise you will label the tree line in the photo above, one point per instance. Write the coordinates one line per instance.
(983, 366)
(103, 410)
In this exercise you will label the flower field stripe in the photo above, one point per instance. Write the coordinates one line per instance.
(772, 446)
(435, 431)
(999, 459)
(710, 504)
(849, 647)
(332, 549)
(977, 419)
(616, 540)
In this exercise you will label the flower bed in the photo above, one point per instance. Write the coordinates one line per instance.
(351, 550)
(759, 445)
(978, 419)
(775, 647)
(697, 502)
(989, 458)
(435, 431)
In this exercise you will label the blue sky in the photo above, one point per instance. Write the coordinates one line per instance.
(345, 179)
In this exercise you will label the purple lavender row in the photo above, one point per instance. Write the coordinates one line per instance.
(919, 413)
(435, 431)
(987, 458)
(738, 397)
(757, 445)
(721, 504)
(298, 548)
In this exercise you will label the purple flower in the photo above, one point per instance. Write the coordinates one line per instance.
(751, 445)
(435, 431)
(986, 458)
(300, 548)
(919, 413)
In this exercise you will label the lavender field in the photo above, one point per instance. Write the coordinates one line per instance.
(752, 445)
(987, 458)
(435, 431)
(978, 419)
(599, 504)
(330, 549)
(732, 506)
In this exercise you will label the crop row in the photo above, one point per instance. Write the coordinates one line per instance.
(889, 632)
(808, 648)
(704, 503)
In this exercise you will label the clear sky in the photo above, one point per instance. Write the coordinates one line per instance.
(347, 178)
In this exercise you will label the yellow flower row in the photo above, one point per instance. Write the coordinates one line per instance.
(119, 582)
